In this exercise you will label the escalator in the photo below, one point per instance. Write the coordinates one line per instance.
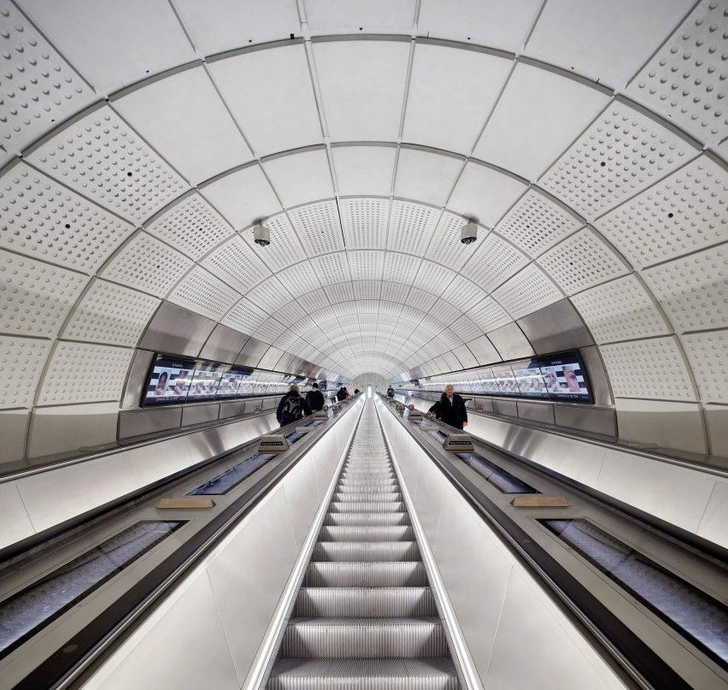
(365, 616)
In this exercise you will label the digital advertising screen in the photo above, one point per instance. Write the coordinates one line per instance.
(565, 378)
(232, 383)
(168, 381)
(485, 383)
(530, 379)
(205, 381)
(506, 380)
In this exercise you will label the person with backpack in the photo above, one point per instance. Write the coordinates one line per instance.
(450, 408)
(390, 392)
(342, 394)
(292, 407)
(315, 398)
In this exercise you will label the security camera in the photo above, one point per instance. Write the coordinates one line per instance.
(469, 233)
(261, 235)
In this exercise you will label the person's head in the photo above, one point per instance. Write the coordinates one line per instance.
(449, 390)
(163, 378)
(315, 385)
(294, 388)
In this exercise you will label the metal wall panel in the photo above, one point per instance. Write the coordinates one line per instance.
(148, 420)
(176, 330)
(554, 328)
(536, 412)
(232, 409)
(196, 414)
(16, 524)
(252, 352)
(597, 420)
(511, 342)
(13, 429)
(136, 379)
(224, 344)
(505, 407)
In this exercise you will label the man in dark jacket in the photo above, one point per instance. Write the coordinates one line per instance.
(450, 408)
(315, 398)
(291, 407)
(390, 392)
(342, 394)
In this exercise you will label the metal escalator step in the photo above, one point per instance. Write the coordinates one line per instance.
(364, 638)
(364, 519)
(373, 574)
(368, 474)
(367, 488)
(364, 674)
(348, 496)
(366, 551)
(365, 602)
(370, 533)
(366, 506)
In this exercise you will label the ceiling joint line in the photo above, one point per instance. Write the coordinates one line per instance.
(535, 21)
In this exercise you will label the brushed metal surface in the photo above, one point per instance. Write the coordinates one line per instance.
(510, 342)
(224, 344)
(716, 417)
(196, 414)
(601, 389)
(536, 412)
(231, 409)
(505, 407)
(16, 524)
(177, 331)
(148, 420)
(252, 352)
(554, 328)
(597, 420)
(136, 379)
(13, 430)
(714, 524)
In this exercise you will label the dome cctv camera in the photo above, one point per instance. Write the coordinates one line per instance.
(261, 235)
(469, 233)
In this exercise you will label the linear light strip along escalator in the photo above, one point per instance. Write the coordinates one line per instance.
(365, 616)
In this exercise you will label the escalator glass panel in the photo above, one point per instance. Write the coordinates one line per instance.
(25, 613)
(695, 614)
(501, 479)
(231, 478)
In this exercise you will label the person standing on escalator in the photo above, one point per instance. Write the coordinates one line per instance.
(450, 408)
(315, 398)
(292, 407)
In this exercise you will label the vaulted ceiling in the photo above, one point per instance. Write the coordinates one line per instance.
(142, 140)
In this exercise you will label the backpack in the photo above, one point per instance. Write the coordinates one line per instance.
(291, 408)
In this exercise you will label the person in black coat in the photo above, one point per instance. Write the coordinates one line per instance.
(292, 407)
(450, 408)
(315, 398)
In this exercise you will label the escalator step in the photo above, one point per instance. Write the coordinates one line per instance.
(366, 519)
(365, 602)
(357, 574)
(366, 551)
(367, 533)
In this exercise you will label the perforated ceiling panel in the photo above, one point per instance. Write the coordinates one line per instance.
(21, 360)
(489, 315)
(462, 293)
(446, 248)
(411, 227)
(290, 313)
(284, 248)
(43, 219)
(35, 297)
(245, 316)
(364, 222)
(239, 263)
(493, 262)
(101, 157)
(204, 294)
(299, 279)
(708, 355)
(318, 228)
(270, 295)
(192, 226)
(526, 292)
(332, 268)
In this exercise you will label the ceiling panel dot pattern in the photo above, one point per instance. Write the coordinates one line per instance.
(268, 331)
(299, 279)
(204, 294)
(37, 86)
(111, 314)
(313, 300)
(433, 277)
(102, 158)
(617, 157)
(648, 369)
(364, 222)
(693, 290)
(411, 227)
(43, 219)
(685, 212)
(527, 292)
(341, 292)
(395, 292)
(465, 328)
(367, 290)
(581, 261)
(462, 293)
(245, 316)
(147, 265)
(682, 82)
(489, 315)
(536, 223)
(366, 265)
(620, 310)
(332, 268)
(420, 299)
(493, 263)
(401, 268)
(318, 228)
(284, 248)
(708, 355)
(35, 297)
(290, 313)
(192, 226)
(82, 373)
(21, 364)
(444, 312)
(270, 295)
(238, 263)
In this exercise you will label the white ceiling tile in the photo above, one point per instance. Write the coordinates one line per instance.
(366, 265)
(271, 96)
(483, 350)
(332, 268)
(451, 85)
(620, 310)
(362, 86)
(411, 227)
(465, 357)
(318, 227)
(128, 40)
(394, 292)
(463, 293)
(101, 157)
(426, 177)
(536, 119)
(484, 194)
(202, 143)
(364, 170)
(489, 315)
(300, 177)
(401, 268)
(204, 294)
(21, 364)
(708, 356)
(313, 300)
(493, 262)
(340, 292)
(270, 295)
(581, 261)
(420, 299)
(242, 197)
(245, 316)
(607, 42)
(218, 25)
(648, 369)
(269, 331)
(684, 80)
(446, 248)
(237, 263)
(364, 222)
(192, 226)
(686, 211)
(498, 23)
(147, 265)
(332, 16)
(433, 277)
(284, 248)
(536, 223)
(527, 292)
(299, 279)
(445, 312)
(619, 155)
(38, 86)
(290, 313)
